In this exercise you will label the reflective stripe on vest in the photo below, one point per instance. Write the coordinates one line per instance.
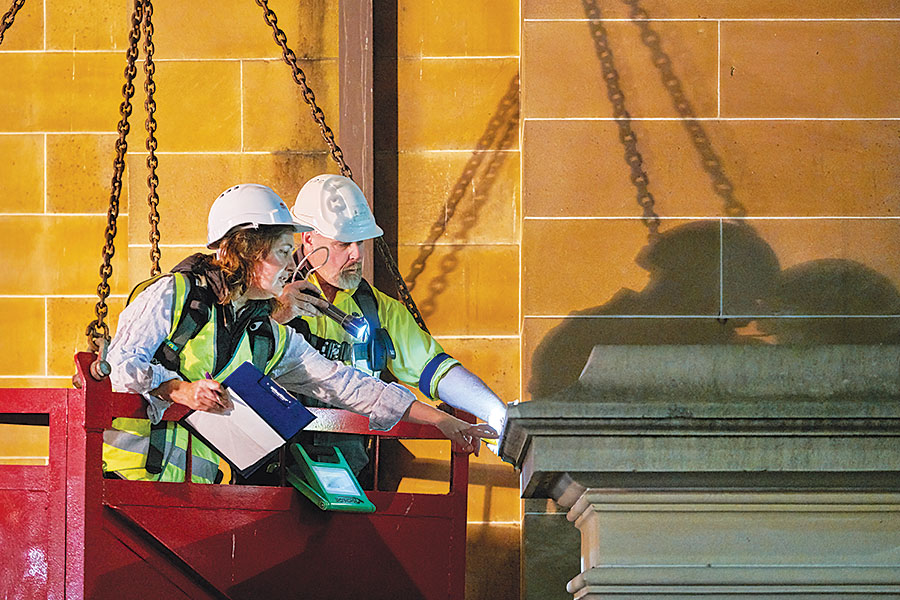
(125, 452)
(125, 447)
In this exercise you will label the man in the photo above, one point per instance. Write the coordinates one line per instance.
(341, 221)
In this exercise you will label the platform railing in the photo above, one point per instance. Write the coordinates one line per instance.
(87, 536)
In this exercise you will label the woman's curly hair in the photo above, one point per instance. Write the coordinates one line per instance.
(239, 251)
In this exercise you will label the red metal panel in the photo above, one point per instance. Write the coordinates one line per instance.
(249, 554)
(131, 565)
(32, 505)
(67, 532)
(24, 544)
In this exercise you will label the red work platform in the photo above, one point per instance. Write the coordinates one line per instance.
(66, 532)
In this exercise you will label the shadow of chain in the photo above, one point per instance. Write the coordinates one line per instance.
(710, 161)
(476, 180)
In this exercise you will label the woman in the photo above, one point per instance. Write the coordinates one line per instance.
(184, 332)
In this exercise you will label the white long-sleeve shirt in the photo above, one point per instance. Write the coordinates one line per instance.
(146, 322)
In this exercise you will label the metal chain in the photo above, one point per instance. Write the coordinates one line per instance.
(632, 156)
(402, 291)
(9, 17)
(98, 329)
(337, 154)
(721, 185)
(308, 96)
(150, 126)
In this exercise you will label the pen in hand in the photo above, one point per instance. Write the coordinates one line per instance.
(221, 395)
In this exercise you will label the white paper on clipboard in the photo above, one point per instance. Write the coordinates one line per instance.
(241, 436)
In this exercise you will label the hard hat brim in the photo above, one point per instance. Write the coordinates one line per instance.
(298, 228)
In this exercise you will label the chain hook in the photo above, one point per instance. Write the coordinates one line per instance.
(100, 369)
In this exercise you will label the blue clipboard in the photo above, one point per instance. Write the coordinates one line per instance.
(266, 416)
(284, 413)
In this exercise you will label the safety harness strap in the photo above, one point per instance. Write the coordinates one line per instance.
(379, 347)
(345, 351)
(365, 299)
(330, 349)
(157, 448)
(193, 313)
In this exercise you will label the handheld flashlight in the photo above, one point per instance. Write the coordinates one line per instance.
(355, 326)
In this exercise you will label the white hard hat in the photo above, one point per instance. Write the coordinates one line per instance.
(250, 205)
(335, 207)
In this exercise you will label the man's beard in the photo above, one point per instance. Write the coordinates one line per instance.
(349, 277)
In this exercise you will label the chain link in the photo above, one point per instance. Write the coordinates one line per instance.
(336, 153)
(721, 185)
(627, 136)
(308, 96)
(150, 126)
(402, 291)
(9, 17)
(98, 329)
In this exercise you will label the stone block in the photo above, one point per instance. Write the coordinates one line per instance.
(466, 290)
(75, 25)
(195, 30)
(746, 545)
(493, 490)
(198, 107)
(556, 255)
(275, 117)
(723, 471)
(79, 173)
(24, 444)
(23, 349)
(452, 197)
(27, 31)
(576, 168)
(68, 246)
(810, 69)
(492, 560)
(578, 89)
(550, 555)
(60, 92)
(871, 243)
(22, 173)
(716, 9)
(457, 28)
(448, 104)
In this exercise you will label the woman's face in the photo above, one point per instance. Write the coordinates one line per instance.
(271, 273)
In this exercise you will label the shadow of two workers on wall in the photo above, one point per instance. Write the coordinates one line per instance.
(690, 299)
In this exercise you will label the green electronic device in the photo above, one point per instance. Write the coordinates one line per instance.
(330, 485)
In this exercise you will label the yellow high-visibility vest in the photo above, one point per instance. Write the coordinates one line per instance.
(126, 446)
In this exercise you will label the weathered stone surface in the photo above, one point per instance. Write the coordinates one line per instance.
(721, 471)
(766, 415)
